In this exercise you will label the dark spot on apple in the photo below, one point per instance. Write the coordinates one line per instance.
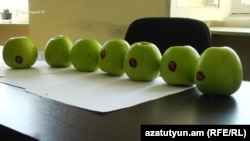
(132, 62)
(103, 54)
(200, 76)
(19, 59)
(172, 66)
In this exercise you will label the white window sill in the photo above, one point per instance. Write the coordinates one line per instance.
(7, 22)
(236, 24)
(239, 31)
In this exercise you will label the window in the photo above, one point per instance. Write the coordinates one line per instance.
(201, 9)
(18, 8)
(217, 13)
(240, 6)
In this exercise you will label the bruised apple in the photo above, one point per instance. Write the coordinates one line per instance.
(19, 52)
(112, 55)
(178, 65)
(142, 62)
(219, 71)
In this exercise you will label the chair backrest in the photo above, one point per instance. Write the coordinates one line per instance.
(166, 32)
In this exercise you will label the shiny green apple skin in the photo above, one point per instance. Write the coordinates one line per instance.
(178, 65)
(57, 51)
(219, 71)
(20, 52)
(142, 62)
(84, 55)
(112, 55)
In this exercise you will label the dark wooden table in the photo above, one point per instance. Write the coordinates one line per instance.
(23, 114)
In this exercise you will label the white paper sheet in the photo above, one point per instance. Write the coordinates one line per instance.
(94, 91)
(103, 94)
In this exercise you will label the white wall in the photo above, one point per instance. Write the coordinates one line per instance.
(97, 19)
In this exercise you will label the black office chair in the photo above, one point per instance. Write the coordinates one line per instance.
(166, 32)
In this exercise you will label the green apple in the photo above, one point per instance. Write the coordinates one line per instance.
(112, 56)
(178, 65)
(219, 71)
(57, 51)
(142, 62)
(84, 54)
(19, 52)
